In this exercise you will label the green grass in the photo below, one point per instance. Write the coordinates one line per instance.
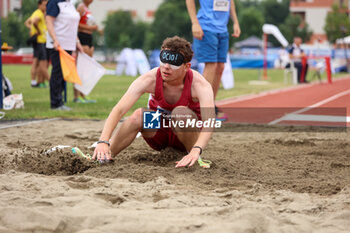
(108, 92)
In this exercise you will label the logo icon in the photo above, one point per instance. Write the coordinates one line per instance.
(151, 119)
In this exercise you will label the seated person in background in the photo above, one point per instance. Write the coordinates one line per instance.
(296, 54)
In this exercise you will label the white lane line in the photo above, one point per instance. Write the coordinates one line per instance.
(318, 118)
(312, 106)
(271, 92)
(28, 123)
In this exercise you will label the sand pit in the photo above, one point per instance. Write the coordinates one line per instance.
(277, 181)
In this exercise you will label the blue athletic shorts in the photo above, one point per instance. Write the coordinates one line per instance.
(212, 48)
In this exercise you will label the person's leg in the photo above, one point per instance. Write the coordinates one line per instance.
(209, 72)
(206, 52)
(43, 71)
(306, 69)
(88, 50)
(33, 72)
(42, 66)
(223, 45)
(56, 81)
(299, 68)
(44, 63)
(186, 135)
(217, 78)
(127, 132)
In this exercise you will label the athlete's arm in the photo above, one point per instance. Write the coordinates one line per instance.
(141, 85)
(81, 26)
(50, 28)
(28, 23)
(203, 91)
(233, 14)
(196, 27)
(35, 22)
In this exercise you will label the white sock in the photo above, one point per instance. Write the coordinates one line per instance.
(33, 82)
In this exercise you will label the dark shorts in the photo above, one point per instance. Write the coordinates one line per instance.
(40, 51)
(165, 138)
(212, 48)
(85, 39)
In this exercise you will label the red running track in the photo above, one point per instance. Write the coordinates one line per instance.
(308, 104)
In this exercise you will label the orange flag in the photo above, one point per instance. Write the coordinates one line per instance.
(68, 66)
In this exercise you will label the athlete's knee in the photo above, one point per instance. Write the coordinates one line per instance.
(210, 66)
(183, 119)
(182, 113)
(220, 67)
(136, 117)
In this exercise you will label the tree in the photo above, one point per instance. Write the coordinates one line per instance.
(251, 21)
(171, 18)
(121, 32)
(118, 28)
(139, 34)
(28, 7)
(337, 23)
(13, 31)
(275, 12)
(291, 28)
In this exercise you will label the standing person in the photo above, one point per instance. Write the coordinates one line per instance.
(37, 25)
(86, 27)
(211, 38)
(176, 90)
(62, 21)
(296, 54)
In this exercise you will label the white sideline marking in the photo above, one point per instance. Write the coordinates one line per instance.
(312, 106)
(319, 118)
(28, 123)
(270, 92)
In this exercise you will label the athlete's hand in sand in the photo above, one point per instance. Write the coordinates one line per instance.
(102, 152)
(189, 159)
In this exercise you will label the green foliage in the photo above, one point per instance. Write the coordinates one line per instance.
(28, 7)
(337, 23)
(171, 18)
(121, 31)
(275, 11)
(13, 31)
(291, 28)
(251, 21)
(118, 29)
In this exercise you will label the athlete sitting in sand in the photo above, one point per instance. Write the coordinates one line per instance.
(176, 89)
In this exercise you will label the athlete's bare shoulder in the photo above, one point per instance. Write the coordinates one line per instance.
(198, 79)
(199, 84)
(147, 81)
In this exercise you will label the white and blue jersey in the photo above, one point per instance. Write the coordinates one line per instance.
(65, 24)
(213, 15)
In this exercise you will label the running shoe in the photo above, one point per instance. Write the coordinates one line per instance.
(62, 108)
(88, 100)
(221, 116)
(79, 100)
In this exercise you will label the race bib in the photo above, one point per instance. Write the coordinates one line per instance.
(221, 5)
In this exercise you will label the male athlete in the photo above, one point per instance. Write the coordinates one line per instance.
(176, 89)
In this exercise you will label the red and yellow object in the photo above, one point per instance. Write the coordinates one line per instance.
(68, 66)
